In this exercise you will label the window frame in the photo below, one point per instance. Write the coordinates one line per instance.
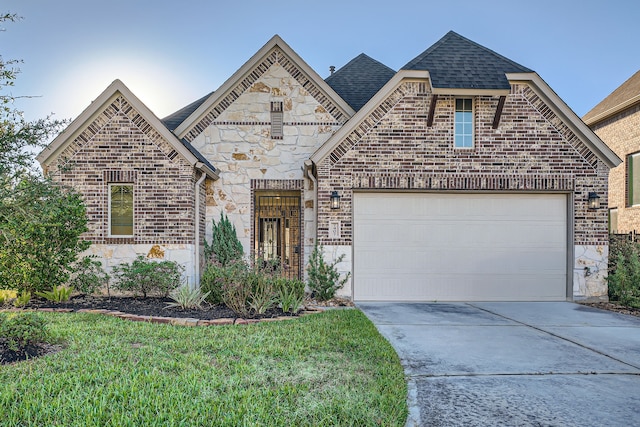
(133, 203)
(464, 135)
(629, 178)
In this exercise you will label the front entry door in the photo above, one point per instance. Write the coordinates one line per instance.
(277, 230)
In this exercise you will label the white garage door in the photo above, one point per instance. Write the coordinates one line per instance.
(460, 247)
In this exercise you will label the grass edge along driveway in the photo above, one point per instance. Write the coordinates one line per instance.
(332, 368)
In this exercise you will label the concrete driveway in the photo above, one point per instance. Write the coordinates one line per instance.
(515, 364)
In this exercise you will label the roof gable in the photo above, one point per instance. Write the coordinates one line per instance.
(455, 62)
(625, 96)
(101, 109)
(275, 51)
(360, 79)
(172, 121)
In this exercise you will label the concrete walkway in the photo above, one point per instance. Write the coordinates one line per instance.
(515, 364)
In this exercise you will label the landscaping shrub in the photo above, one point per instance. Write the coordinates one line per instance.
(20, 331)
(262, 295)
(147, 277)
(290, 294)
(88, 276)
(57, 294)
(225, 246)
(215, 276)
(324, 279)
(186, 297)
(22, 299)
(7, 296)
(624, 273)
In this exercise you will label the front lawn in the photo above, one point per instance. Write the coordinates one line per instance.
(327, 369)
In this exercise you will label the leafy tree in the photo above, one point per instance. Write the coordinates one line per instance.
(324, 279)
(40, 221)
(225, 246)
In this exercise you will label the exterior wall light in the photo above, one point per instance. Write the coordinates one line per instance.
(335, 200)
(593, 201)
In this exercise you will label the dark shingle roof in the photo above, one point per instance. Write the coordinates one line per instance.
(455, 62)
(616, 101)
(359, 80)
(174, 120)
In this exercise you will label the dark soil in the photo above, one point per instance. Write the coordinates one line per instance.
(613, 306)
(9, 356)
(150, 306)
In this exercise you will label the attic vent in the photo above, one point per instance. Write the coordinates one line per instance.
(173, 154)
(277, 117)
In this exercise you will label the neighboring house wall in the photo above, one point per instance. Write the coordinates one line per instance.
(119, 146)
(238, 141)
(622, 134)
(531, 150)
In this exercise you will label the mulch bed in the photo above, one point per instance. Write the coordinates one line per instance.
(612, 306)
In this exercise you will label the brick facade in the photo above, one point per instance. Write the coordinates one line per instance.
(532, 150)
(622, 134)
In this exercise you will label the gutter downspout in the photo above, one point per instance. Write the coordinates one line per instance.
(308, 165)
(196, 283)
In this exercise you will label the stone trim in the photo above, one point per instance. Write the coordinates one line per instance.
(459, 181)
(222, 123)
(277, 184)
(182, 321)
(276, 56)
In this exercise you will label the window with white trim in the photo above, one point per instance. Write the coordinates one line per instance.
(463, 123)
(121, 210)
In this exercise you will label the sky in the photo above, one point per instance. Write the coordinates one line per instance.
(170, 53)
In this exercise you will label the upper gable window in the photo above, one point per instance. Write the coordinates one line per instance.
(277, 118)
(463, 135)
(633, 179)
(121, 210)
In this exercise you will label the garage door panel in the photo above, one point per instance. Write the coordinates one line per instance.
(459, 246)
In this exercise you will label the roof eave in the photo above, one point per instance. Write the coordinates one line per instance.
(590, 121)
(470, 91)
(574, 122)
(246, 68)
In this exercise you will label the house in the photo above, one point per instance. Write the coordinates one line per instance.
(461, 176)
(616, 120)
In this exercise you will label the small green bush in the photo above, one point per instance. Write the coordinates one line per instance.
(324, 279)
(186, 297)
(290, 294)
(147, 277)
(225, 247)
(215, 276)
(624, 273)
(57, 294)
(22, 299)
(262, 295)
(7, 295)
(88, 275)
(23, 330)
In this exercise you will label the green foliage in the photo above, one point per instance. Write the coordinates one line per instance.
(290, 294)
(40, 221)
(324, 279)
(225, 246)
(262, 295)
(147, 277)
(88, 275)
(624, 273)
(22, 330)
(328, 369)
(187, 298)
(215, 276)
(22, 299)
(57, 294)
(6, 295)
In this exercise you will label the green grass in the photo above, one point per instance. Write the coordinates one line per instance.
(328, 369)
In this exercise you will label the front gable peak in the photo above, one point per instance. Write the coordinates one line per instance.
(275, 51)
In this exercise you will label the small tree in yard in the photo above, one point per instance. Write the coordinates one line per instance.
(225, 246)
(40, 221)
(324, 279)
